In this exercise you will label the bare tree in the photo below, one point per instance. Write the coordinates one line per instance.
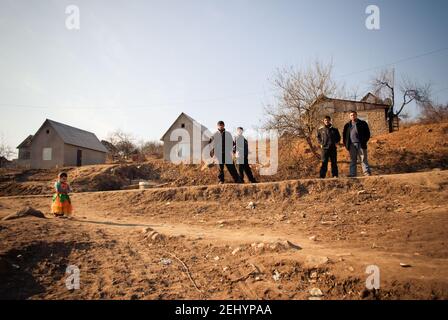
(151, 148)
(384, 87)
(5, 150)
(295, 113)
(431, 112)
(123, 144)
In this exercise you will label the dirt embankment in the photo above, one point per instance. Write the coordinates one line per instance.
(236, 241)
(417, 148)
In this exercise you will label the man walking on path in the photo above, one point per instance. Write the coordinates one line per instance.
(222, 147)
(356, 135)
(328, 138)
(241, 151)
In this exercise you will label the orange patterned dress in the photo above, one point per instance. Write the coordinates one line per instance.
(61, 201)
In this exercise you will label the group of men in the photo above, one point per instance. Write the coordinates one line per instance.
(355, 136)
(225, 147)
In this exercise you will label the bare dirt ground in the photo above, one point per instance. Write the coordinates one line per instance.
(205, 242)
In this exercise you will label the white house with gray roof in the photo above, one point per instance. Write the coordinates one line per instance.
(59, 145)
(184, 148)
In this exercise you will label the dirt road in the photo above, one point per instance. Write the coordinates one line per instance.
(207, 242)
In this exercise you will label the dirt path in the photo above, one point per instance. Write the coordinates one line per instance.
(233, 251)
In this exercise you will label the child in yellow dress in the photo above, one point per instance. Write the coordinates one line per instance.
(61, 201)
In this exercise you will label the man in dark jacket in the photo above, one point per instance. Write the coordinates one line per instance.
(328, 137)
(222, 148)
(241, 151)
(356, 135)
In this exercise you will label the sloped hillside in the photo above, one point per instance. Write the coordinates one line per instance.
(417, 148)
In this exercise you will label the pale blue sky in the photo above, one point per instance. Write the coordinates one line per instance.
(135, 65)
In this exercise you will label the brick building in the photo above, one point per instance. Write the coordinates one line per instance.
(370, 108)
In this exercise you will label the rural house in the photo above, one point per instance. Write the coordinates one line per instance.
(58, 145)
(370, 108)
(183, 150)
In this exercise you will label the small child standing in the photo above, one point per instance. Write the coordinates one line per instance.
(61, 201)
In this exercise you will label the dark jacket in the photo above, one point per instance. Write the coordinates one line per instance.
(328, 137)
(222, 146)
(241, 149)
(363, 133)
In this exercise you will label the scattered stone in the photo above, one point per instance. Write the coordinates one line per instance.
(316, 261)
(155, 236)
(288, 244)
(216, 258)
(225, 269)
(236, 250)
(25, 212)
(313, 275)
(360, 192)
(165, 261)
(146, 230)
(281, 217)
(260, 245)
(276, 276)
(313, 238)
(251, 205)
(404, 265)
(351, 269)
(316, 292)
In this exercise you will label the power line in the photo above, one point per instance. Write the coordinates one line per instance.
(170, 104)
(394, 63)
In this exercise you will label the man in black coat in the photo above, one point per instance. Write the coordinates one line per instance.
(356, 135)
(222, 148)
(241, 151)
(328, 138)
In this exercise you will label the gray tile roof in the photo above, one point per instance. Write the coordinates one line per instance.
(77, 137)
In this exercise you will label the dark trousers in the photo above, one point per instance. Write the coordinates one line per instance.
(246, 168)
(232, 170)
(329, 154)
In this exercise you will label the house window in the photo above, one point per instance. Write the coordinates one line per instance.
(182, 125)
(46, 154)
(48, 131)
(182, 150)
